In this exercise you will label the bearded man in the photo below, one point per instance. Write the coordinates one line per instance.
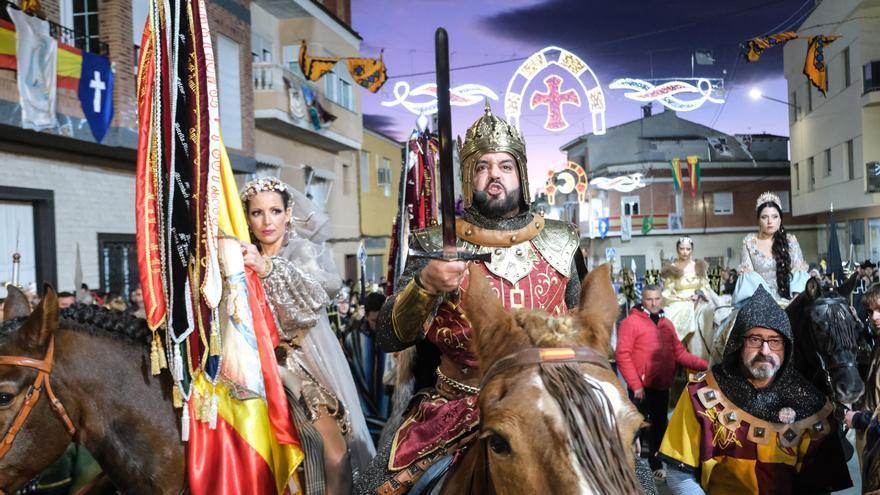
(531, 266)
(753, 424)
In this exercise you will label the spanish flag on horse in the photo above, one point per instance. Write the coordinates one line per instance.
(212, 327)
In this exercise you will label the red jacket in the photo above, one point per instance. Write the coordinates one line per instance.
(647, 353)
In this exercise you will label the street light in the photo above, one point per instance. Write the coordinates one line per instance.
(756, 94)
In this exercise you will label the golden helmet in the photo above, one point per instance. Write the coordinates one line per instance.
(492, 134)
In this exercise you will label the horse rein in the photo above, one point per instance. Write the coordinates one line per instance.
(545, 355)
(44, 370)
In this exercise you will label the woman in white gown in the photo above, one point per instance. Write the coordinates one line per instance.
(299, 278)
(688, 298)
(771, 258)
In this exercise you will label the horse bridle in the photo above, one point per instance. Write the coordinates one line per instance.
(44, 370)
(545, 355)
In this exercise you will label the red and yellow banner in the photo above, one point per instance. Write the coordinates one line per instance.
(69, 57)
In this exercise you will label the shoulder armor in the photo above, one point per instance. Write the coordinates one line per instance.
(557, 244)
(429, 240)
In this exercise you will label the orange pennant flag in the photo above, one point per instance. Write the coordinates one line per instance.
(815, 67)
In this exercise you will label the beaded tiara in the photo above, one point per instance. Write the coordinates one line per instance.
(685, 239)
(257, 186)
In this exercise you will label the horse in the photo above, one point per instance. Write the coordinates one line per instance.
(83, 374)
(554, 416)
(826, 341)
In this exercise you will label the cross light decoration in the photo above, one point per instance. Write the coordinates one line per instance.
(554, 100)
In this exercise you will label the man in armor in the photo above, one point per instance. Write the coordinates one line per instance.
(532, 266)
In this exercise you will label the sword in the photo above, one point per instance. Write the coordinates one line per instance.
(450, 250)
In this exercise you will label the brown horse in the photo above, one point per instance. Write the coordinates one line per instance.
(100, 374)
(548, 426)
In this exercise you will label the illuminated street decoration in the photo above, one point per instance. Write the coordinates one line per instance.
(568, 180)
(553, 95)
(625, 183)
(460, 96)
(554, 100)
(645, 92)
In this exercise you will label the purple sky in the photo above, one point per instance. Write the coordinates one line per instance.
(616, 39)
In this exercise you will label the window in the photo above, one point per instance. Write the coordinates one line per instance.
(850, 160)
(784, 199)
(339, 90)
(384, 176)
(857, 237)
(229, 85)
(793, 109)
(827, 162)
(629, 205)
(722, 203)
(318, 186)
(365, 171)
(290, 59)
(809, 98)
(797, 177)
(847, 73)
(85, 24)
(331, 83)
(18, 235)
(874, 237)
(811, 170)
(117, 263)
(261, 49)
(871, 74)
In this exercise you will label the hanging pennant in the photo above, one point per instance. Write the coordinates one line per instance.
(647, 224)
(815, 67)
(675, 164)
(694, 172)
(368, 72)
(314, 67)
(755, 47)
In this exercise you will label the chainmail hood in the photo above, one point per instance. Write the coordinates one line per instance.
(789, 389)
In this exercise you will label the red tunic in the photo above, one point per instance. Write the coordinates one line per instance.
(443, 419)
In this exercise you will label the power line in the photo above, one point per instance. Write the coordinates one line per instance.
(613, 41)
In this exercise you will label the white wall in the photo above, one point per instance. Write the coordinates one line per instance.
(88, 200)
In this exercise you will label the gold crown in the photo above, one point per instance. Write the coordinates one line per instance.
(768, 197)
(492, 134)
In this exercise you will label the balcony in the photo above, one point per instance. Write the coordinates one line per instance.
(279, 108)
(64, 34)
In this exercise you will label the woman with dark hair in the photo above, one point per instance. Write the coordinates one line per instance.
(771, 257)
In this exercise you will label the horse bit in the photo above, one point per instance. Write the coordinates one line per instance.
(44, 370)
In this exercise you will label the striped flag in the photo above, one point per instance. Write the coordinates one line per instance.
(675, 164)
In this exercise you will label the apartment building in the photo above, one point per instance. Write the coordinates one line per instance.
(309, 133)
(835, 154)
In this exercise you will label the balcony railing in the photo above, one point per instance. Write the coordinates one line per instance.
(269, 76)
(64, 34)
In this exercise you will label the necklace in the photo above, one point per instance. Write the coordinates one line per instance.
(457, 385)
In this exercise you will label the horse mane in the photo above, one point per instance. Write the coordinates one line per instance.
(95, 320)
(835, 310)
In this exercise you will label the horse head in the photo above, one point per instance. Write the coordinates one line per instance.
(832, 336)
(37, 437)
(546, 427)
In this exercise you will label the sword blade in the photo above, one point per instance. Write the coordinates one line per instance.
(444, 131)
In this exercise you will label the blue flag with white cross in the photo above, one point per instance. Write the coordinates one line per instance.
(96, 93)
